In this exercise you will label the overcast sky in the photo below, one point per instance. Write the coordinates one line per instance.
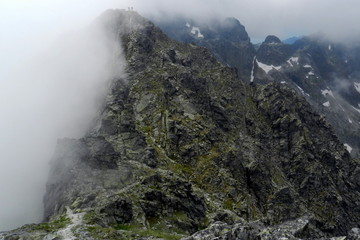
(50, 75)
(284, 18)
(339, 19)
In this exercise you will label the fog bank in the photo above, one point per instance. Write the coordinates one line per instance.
(52, 84)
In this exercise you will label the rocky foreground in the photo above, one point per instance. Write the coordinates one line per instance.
(185, 150)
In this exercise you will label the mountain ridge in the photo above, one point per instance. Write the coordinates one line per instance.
(184, 149)
(312, 66)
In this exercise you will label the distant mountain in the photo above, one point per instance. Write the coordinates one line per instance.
(291, 40)
(324, 73)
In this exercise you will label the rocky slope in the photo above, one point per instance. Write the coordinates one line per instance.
(185, 150)
(325, 73)
(226, 39)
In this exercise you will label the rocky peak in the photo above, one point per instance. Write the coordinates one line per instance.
(272, 39)
(227, 40)
(233, 30)
(120, 21)
(273, 52)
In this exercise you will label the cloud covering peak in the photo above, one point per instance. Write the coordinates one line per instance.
(339, 20)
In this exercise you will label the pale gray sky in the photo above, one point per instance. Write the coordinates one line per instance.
(339, 19)
(46, 87)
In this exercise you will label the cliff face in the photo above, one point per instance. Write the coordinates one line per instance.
(182, 147)
(227, 40)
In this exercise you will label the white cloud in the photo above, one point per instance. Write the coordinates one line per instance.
(53, 77)
(338, 19)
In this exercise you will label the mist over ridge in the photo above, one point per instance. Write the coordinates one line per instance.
(49, 93)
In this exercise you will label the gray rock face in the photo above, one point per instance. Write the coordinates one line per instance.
(354, 234)
(184, 149)
(273, 52)
(227, 40)
(252, 231)
(272, 39)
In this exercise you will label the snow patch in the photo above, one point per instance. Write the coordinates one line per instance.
(326, 104)
(282, 82)
(277, 67)
(326, 92)
(346, 61)
(307, 66)
(358, 110)
(350, 120)
(311, 73)
(293, 61)
(302, 91)
(348, 147)
(329, 47)
(188, 25)
(196, 31)
(267, 68)
(357, 86)
(252, 71)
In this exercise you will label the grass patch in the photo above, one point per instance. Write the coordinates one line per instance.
(141, 232)
(124, 227)
(103, 233)
(158, 234)
(55, 225)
